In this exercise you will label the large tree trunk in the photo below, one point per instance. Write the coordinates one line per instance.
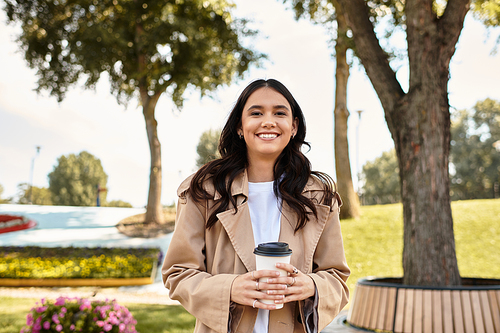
(419, 122)
(154, 209)
(350, 206)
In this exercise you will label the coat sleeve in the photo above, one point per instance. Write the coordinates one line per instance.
(184, 272)
(330, 273)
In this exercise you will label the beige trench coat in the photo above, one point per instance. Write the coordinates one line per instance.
(200, 264)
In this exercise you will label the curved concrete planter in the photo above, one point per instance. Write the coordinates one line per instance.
(386, 304)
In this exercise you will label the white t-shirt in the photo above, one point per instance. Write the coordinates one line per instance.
(265, 215)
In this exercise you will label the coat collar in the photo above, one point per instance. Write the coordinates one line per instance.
(238, 225)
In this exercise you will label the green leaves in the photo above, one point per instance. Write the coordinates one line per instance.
(207, 148)
(143, 45)
(474, 154)
(381, 180)
(75, 180)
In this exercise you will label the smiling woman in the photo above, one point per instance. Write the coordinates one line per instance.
(260, 190)
(267, 125)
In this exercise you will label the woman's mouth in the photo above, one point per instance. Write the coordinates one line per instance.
(267, 136)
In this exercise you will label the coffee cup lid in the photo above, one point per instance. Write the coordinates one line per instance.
(273, 249)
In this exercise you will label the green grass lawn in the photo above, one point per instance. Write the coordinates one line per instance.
(373, 244)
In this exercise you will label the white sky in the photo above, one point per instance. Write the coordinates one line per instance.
(299, 57)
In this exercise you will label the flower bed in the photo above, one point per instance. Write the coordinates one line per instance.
(71, 263)
(79, 315)
(9, 223)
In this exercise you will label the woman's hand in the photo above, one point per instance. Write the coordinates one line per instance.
(299, 285)
(247, 289)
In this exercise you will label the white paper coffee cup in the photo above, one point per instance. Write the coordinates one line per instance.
(267, 255)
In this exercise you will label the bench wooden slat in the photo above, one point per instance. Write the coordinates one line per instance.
(400, 311)
(391, 309)
(447, 311)
(353, 306)
(486, 310)
(361, 304)
(476, 311)
(467, 312)
(438, 310)
(458, 317)
(418, 311)
(369, 307)
(376, 307)
(427, 311)
(409, 305)
(383, 309)
(495, 309)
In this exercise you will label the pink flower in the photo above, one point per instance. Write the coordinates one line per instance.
(85, 305)
(121, 327)
(59, 328)
(29, 319)
(100, 323)
(46, 325)
(60, 301)
(72, 327)
(64, 310)
(41, 309)
(37, 327)
(55, 318)
(108, 327)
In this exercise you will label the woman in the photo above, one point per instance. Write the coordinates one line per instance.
(262, 189)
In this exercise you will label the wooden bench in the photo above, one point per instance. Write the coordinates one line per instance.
(384, 304)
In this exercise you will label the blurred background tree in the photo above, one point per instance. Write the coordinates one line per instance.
(3, 200)
(117, 203)
(330, 14)
(381, 180)
(474, 160)
(207, 148)
(39, 195)
(147, 48)
(75, 180)
(475, 152)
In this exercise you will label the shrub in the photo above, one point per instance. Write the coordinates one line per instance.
(79, 315)
(32, 262)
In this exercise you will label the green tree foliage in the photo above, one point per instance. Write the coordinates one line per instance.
(117, 203)
(207, 148)
(75, 179)
(34, 195)
(146, 47)
(475, 152)
(3, 200)
(381, 180)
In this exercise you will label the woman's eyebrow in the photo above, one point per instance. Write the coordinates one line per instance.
(260, 107)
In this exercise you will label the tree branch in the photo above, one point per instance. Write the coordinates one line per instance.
(451, 23)
(373, 57)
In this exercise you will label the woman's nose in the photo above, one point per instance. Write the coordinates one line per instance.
(268, 122)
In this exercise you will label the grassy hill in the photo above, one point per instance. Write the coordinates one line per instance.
(374, 243)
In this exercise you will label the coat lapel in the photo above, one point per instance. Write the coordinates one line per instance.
(239, 229)
(304, 242)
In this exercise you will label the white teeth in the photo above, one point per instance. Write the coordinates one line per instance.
(267, 136)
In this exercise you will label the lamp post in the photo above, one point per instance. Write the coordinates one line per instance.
(358, 173)
(31, 174)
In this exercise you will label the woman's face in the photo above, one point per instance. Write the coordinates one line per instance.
(267, 124)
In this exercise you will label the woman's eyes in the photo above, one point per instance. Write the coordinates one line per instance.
(278, 113)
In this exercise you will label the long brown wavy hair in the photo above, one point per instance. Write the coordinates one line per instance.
(292, 168)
